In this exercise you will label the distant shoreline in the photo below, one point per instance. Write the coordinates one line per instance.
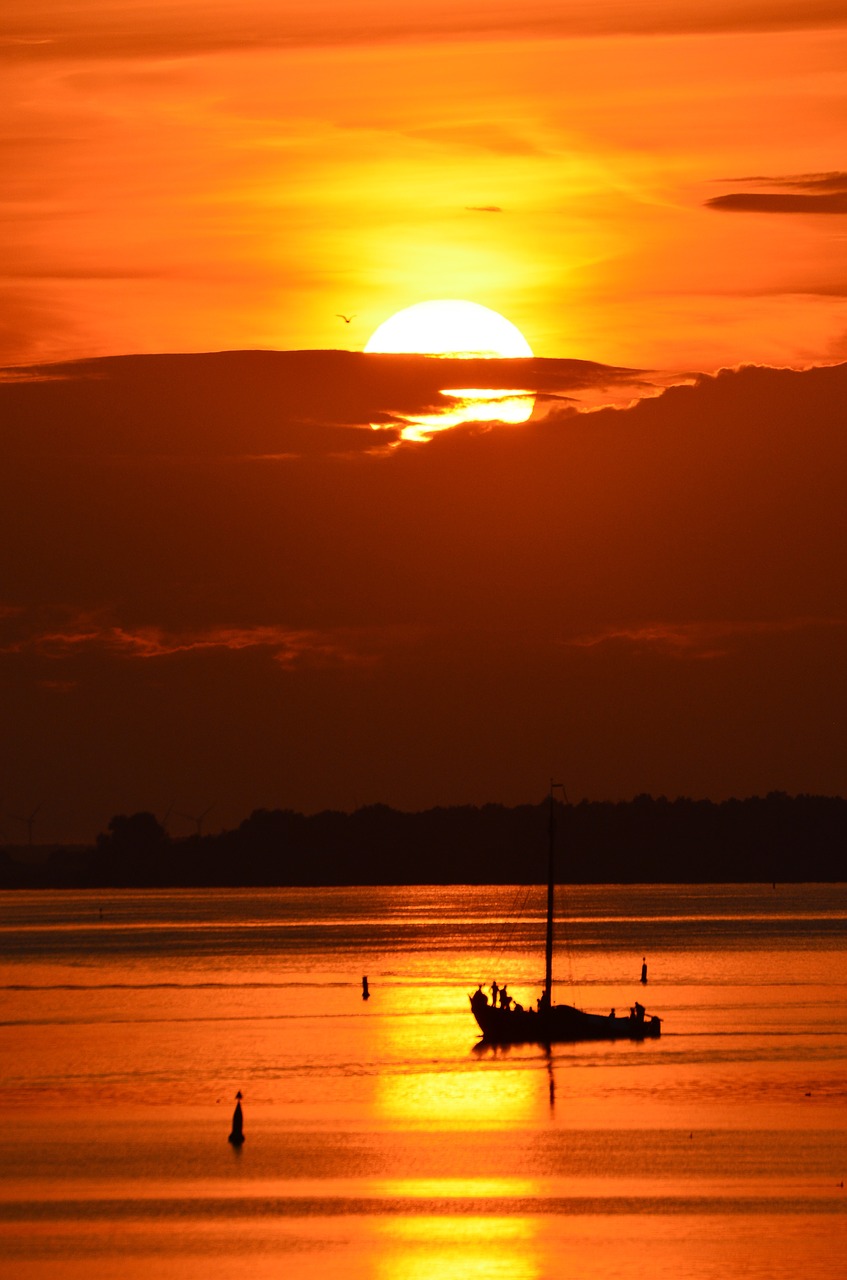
(775, 839)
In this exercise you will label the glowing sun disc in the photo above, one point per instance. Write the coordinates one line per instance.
(449, 327)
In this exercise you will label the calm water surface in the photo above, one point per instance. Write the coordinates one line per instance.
(381, 1143)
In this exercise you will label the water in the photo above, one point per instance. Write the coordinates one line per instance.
(380, 1143)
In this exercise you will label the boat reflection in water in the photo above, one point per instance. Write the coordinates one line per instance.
(506, 1022)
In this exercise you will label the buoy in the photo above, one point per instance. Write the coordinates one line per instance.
(366, 995)
(644, 969)
(237, 1135)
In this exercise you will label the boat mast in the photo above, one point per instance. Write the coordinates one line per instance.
(551, 875)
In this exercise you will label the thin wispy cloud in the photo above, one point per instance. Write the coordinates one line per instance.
(288, 647)
(52, 30)
(835, 180)
(697, 640)
(58, 686)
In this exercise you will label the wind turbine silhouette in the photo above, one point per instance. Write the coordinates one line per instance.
(196, 818)
(28, 822)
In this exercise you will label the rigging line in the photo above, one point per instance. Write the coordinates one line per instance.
(564, 912)
(513, 915)
(569, 950)
(511, 922)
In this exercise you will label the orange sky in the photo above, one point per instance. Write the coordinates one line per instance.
(187, 176)
(218, 583)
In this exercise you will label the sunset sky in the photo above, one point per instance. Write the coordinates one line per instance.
(220, 584)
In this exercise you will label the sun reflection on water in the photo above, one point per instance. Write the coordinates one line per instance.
(454, 1188)
(465, 1099)
(457, 1248)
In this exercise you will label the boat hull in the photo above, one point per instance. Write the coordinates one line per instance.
(559, 1024)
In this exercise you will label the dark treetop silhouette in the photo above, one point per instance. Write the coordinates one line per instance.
(778, 837)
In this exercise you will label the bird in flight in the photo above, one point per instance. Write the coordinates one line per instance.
(346, 319)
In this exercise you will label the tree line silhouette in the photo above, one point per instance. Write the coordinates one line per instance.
(645, 840)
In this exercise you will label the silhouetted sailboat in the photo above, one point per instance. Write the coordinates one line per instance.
(548, 1024)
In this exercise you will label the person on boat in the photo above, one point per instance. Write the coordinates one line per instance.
(611, 1013)
(505, 998)
(495, 991)
(479, 1000)
(639, 1011)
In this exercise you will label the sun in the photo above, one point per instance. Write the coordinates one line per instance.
(463, 330)
(449, 327)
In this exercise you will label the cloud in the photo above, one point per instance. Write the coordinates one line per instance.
(752, 203)
(488, 136)
(819, 193)
(53, 29)
(834, 180)
(279, 406)
(662, 584)
(287, 646)
(31, 272)
(483, 208)
(697, 640)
